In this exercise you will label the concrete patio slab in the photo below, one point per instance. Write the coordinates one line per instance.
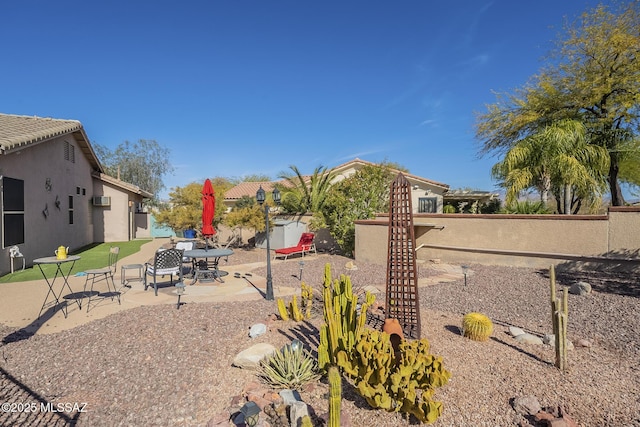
(20, 302)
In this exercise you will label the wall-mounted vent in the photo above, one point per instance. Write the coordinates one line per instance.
(101, 201)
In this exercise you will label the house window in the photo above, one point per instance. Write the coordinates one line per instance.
(12, 211)
(70, 209)
(69, 152)
(427, 205)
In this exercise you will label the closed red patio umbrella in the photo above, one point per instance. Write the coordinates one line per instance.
(208, 210)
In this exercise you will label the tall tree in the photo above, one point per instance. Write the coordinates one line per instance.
(595, 78)
(143, 163)
(556, 158)
(184, 210)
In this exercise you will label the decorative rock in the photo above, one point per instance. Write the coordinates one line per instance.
(584, 343)
(542, 415)
(515, 331)
(221, 419)
(350, 266)
(250, 358)
(257, 330)
(296, 412)
(289, 397)
(526, 405)
(550, 339)
(580, 288)
(528, 339)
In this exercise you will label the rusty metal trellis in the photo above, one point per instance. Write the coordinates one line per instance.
(402, 281)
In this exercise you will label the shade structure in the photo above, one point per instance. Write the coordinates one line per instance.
(208, 209)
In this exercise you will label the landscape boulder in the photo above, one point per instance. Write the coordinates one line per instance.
(251, 357)
(580, 288)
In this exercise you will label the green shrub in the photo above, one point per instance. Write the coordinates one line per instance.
(448, 209)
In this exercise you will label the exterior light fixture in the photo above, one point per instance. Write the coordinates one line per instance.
(301, 263)
(251, 413)
(180, 288)
(260, 197)
(465, 270)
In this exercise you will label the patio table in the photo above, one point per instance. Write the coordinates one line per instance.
(212, 254)
(51, 283)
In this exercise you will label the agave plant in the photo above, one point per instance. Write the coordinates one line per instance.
(290, 367)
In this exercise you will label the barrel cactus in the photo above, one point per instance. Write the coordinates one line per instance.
(477, 326)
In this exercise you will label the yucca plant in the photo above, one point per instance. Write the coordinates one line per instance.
(290, 367)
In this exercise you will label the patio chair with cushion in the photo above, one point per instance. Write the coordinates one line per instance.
(186, 246)
(102, 274)
(305, 245)
(165, 262)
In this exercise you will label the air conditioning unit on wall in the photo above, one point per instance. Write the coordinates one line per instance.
(101, 201)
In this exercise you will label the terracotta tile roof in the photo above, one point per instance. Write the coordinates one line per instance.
(247, 189)
(17, 131)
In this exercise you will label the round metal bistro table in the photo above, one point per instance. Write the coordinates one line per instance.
(60, 274)
(207, 270)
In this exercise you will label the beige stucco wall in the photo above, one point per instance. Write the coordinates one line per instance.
(118, 222)
(35, 165)
(517, 240)
(624, 231)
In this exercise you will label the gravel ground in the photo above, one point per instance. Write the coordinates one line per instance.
(157, 366)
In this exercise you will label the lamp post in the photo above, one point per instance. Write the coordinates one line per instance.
(260, 197)
(465, 270)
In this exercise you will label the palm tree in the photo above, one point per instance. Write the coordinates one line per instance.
(305, 194)
(558, 158)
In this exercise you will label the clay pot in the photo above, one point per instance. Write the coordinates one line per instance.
(392, 326)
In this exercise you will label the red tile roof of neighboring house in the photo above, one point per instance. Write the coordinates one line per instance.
(248, 189)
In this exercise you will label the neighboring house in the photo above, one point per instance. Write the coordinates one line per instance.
(232, 195)
(54, 191)
(427, 195)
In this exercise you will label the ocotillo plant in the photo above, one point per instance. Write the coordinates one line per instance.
(559, 317)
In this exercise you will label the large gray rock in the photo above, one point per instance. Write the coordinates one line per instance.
(528, 339)
(251, 357)
(257, 330)
(526, 405)
(514, 331)
(289, 397)
(580, 288)
(296, 412)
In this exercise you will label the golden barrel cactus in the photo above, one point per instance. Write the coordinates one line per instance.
(477, 326)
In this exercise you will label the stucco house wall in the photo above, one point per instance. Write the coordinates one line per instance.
(51, 185)
(119, 221)
(53, 163)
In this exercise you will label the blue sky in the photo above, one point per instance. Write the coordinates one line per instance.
(234, 88)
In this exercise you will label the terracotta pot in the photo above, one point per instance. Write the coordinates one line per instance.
(392, 326)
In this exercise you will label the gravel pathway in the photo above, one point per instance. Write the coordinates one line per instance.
(158, 366)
